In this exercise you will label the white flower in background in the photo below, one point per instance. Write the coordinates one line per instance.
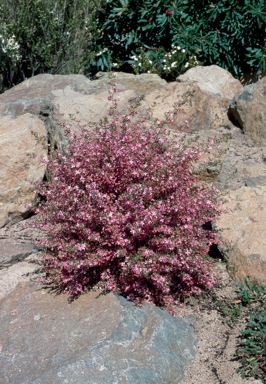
(186, 65)
(173, 65)
(101, 52)
(10, 47)
(183, 50)
(194, 58)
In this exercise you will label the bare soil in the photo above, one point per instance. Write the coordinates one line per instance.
(217, 339)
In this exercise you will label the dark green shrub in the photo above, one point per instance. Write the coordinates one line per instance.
(251, 348)
(229, 33)
(251, 351)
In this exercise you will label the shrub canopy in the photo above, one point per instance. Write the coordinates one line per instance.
(229, 33)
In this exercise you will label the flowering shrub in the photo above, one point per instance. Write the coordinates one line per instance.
(123, 210)
(167, 65)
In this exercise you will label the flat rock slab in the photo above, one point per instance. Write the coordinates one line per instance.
(11, 253)
(95, 339)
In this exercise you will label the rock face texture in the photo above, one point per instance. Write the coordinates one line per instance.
(217, 87)
(20, 157)
(11, 253)
(243, 227)
(203, 110)
(248, 109)
(95, 339)
(214, 80)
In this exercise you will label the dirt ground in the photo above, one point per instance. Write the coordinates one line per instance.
(217, 340)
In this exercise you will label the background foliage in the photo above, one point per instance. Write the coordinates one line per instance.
(229, 33)
(43, 36)
(167, 37)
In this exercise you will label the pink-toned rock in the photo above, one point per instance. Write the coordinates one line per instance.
(142, 84)
(20, 158)
(248, 110)
(209, 91)
(214, 80)
(34, 94)
(243, 228)
(87, 108)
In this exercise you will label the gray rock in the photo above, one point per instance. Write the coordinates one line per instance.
(255, 181)
(242, 163)
(95, 339)
(243, 228)
(214, 80)
(11, 253)
(21, 154)
(247, 109)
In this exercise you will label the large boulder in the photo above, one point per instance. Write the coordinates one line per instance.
(214, 88)
(208, 92)
(196, 111)
(243, 229)
(248, 110)
(22, 148)
(95, 339)
(41, 94)
(214, 80)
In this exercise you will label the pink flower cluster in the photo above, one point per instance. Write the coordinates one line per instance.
(124, 211)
